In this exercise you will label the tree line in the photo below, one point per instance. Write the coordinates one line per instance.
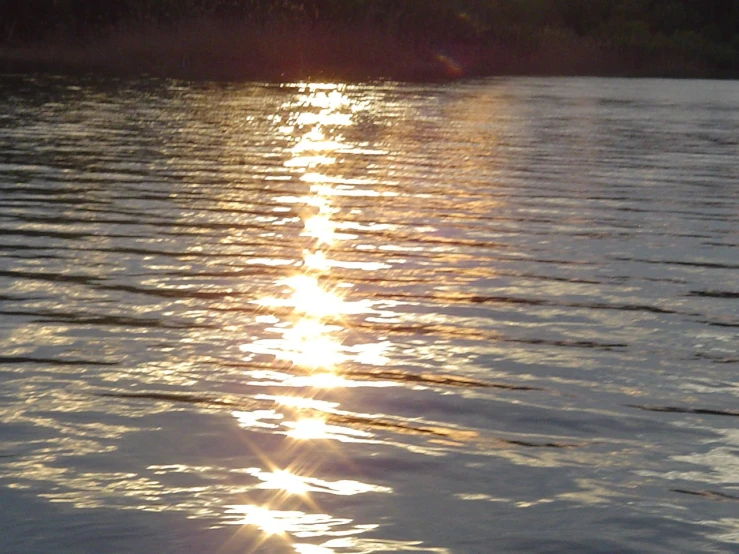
(698, 29)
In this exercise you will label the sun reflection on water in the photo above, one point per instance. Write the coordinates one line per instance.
(316, 261)
(312, 346)
(317, 428)
(282, 480)
(313, 342)
(308, 319)
(310, 298)
(321, 228)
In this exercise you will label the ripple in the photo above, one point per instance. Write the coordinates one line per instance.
(340, 319)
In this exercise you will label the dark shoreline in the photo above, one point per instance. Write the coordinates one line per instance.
(360, 40)
(223, 51)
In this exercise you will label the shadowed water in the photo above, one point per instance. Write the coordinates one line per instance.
(497, 316)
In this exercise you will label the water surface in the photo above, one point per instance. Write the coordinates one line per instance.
(496, 316)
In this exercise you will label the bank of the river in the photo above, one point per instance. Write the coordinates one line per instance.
(232, 51)
(406, 40)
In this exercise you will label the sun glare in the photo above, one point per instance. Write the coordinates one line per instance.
(268, 521)
(308, 161)
(302, 340)
(308, 344)
(284, 481)
(321, 228)
(324, 381)
(313, 549)
(308, 429)
(316, 428)
(316, 261)
(315, 141)
(310, 298)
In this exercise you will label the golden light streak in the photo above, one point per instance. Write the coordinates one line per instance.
(310, 298)
(312, 549)
(316, 261)
(308, 345)
(268, 521)
(300, 402)
(309, 161)
(308, 429)
(284, 481)
(322, 381)
(256, 419)
(315, 141)
(321, 228)
(316, 428)
(287, 481)
(325, 117)
(307, 332)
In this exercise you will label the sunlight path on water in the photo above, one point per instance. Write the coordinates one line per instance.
(308, 321)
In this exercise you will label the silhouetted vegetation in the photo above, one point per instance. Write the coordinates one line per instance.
(375, 38)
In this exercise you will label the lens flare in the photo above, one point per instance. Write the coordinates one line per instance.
(450, 65)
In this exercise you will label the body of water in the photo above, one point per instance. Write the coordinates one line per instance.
(487, 317)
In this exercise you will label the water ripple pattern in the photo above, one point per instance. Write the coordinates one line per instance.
(494, 316)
